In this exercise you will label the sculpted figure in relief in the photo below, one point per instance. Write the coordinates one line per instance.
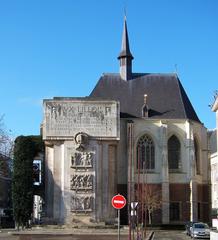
(82, 182)
(82, 159)
(81, 139)
(82, 203)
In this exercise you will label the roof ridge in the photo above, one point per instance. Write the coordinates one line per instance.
(158, 73)
(180, 95)
(142, 73)
(108, 73)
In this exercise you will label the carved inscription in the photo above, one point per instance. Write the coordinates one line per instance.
(64, 118)
(82, 160)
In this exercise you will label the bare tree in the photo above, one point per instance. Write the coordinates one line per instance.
(152, 200)
(6, 150)
(6, 140)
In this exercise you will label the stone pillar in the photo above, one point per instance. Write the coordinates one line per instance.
(193, 187)
(191, 169)
(105, 181)
(57, 182)
(63, 187)
(98, 180)
(112, 179)
(49, 181)
(193, 201)
(67, 171)
(165, 176)
(165, 203)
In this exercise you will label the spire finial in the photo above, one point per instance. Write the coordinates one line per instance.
(125, 56)
(125, 12)
(145, 107)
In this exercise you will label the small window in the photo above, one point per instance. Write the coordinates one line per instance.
(145, 153)
(174, 211)
(174, 152)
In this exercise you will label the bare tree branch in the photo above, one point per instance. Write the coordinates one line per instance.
(6, 140)
(152, 199)
(6, 150)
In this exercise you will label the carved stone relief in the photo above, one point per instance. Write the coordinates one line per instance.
(82, 160)
(81, 182)
(81, 139)
(82, 203)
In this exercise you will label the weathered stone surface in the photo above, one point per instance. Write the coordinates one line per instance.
(63, 119)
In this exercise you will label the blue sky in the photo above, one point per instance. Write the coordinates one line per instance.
(61, 48)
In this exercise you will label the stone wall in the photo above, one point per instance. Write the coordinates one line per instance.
(184, 179)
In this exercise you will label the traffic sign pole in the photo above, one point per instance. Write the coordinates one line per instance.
(118, 202)
(118, 224)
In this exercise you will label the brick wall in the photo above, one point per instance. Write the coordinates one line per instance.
(181, 193)
(203, 192)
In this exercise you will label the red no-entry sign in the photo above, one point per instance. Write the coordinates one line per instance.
(118, 201)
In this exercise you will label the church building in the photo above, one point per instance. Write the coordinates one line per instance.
(136, 134)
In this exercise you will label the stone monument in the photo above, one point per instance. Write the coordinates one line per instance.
(76, 132)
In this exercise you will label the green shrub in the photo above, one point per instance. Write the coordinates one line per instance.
(25, 149)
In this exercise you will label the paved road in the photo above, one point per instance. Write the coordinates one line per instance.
(171, 235)
(6, 236)
(61, 237)
(159, 235)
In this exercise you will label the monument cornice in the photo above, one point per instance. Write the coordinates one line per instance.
(215, 105)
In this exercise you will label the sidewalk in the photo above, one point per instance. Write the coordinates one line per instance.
(58, 231)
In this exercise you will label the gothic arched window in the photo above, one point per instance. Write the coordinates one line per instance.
(145, 153)
(174, 152)
(197, 158)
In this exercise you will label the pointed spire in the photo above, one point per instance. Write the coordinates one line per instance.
(125, 50)
(125, 55)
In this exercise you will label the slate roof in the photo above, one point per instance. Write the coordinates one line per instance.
(166, 98)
